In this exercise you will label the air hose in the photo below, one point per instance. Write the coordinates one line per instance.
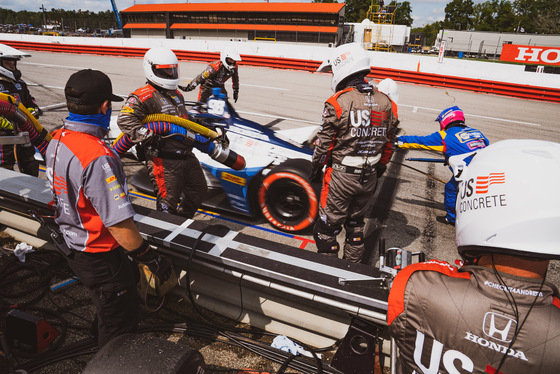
(215, 150)
(183, 122)
(12, 109)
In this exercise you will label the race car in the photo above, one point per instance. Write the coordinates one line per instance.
(275, 180)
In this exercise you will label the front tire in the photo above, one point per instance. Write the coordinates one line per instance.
(286, 197)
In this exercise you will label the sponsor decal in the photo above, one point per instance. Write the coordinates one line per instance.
(111, 179)
(484, 182)
(163, 101)
(123, 205)
(499, 327)
(126, 109)
(470, 190)
(233, 179)
(18, 86)
(131, 100)
(59, 185)
(115, 187)
(531, 54)
(107, 167)
(468, 136)
(503, 349)
(361, 121)
(518, 291)
(70, 233)
(119, 196)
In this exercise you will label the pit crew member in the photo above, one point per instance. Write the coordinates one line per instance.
(12, 84)
(216, 74)
(353, 143)
(454, 138)
(173, 168)
(94, 212)
(497, 314)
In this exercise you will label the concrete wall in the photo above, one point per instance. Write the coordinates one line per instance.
(491, 71)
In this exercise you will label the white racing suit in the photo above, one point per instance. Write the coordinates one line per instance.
(352, 142)
(446, 320)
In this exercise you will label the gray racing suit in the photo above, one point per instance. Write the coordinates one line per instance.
(352, 141)
(449, 320)
(215, 75)
(173, 168)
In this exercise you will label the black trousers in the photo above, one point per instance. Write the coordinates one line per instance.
(111, 279)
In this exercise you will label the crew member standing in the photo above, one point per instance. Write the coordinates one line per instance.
(353, 143)
(12, 84)
(454, 138)
(94, 212)
(498, 314)
(216, 74)
(174, 170)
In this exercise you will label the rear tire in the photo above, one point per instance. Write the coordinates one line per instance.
(286, 197)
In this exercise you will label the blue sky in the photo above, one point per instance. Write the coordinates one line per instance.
(423, 11)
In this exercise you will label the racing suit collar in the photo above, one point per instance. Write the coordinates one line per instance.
(86, 128)
(523, 289)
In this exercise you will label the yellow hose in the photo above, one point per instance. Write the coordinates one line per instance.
(23, 110)
(183, 122)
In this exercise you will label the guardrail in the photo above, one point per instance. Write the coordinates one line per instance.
(462, 83)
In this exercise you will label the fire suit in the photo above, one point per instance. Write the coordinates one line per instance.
(449, 320)
(25, 152)
(456, 139)
(215, 75)
(91, 194)
(173, 168)
(353, 141)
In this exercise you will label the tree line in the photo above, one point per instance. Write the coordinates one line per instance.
(69, 19)
(529, 16)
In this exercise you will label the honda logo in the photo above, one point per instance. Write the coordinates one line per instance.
(499, 327)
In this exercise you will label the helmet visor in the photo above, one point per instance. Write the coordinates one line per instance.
(169, 71)
(230, 61)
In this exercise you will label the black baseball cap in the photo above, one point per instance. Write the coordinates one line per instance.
(89, 87)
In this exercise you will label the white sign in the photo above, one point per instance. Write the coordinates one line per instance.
(441, 52)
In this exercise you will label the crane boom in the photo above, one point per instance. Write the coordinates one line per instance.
(116, 11)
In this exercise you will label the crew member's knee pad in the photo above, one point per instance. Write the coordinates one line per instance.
(354, 231)
(325, 238)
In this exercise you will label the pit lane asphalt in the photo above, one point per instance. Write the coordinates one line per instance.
(407, 202)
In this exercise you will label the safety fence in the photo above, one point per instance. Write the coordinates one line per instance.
(477, 85)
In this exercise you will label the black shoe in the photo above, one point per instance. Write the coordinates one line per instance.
(443, 219)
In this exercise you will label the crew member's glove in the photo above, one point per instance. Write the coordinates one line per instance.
(5, 124)
(157, 264)
(188, 87)
(316, 173)
(35, 111)
(380, 168)
(235, 95)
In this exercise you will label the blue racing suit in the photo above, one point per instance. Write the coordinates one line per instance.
(454, 140)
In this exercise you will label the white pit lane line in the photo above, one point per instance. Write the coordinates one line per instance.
(415, 110)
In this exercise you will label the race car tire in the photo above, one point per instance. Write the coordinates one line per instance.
(286, 197)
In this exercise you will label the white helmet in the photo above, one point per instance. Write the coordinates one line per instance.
(161, 68)
(347, 59)
(389, 88)
(508, 200)
(9, 53)
(229, 58)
